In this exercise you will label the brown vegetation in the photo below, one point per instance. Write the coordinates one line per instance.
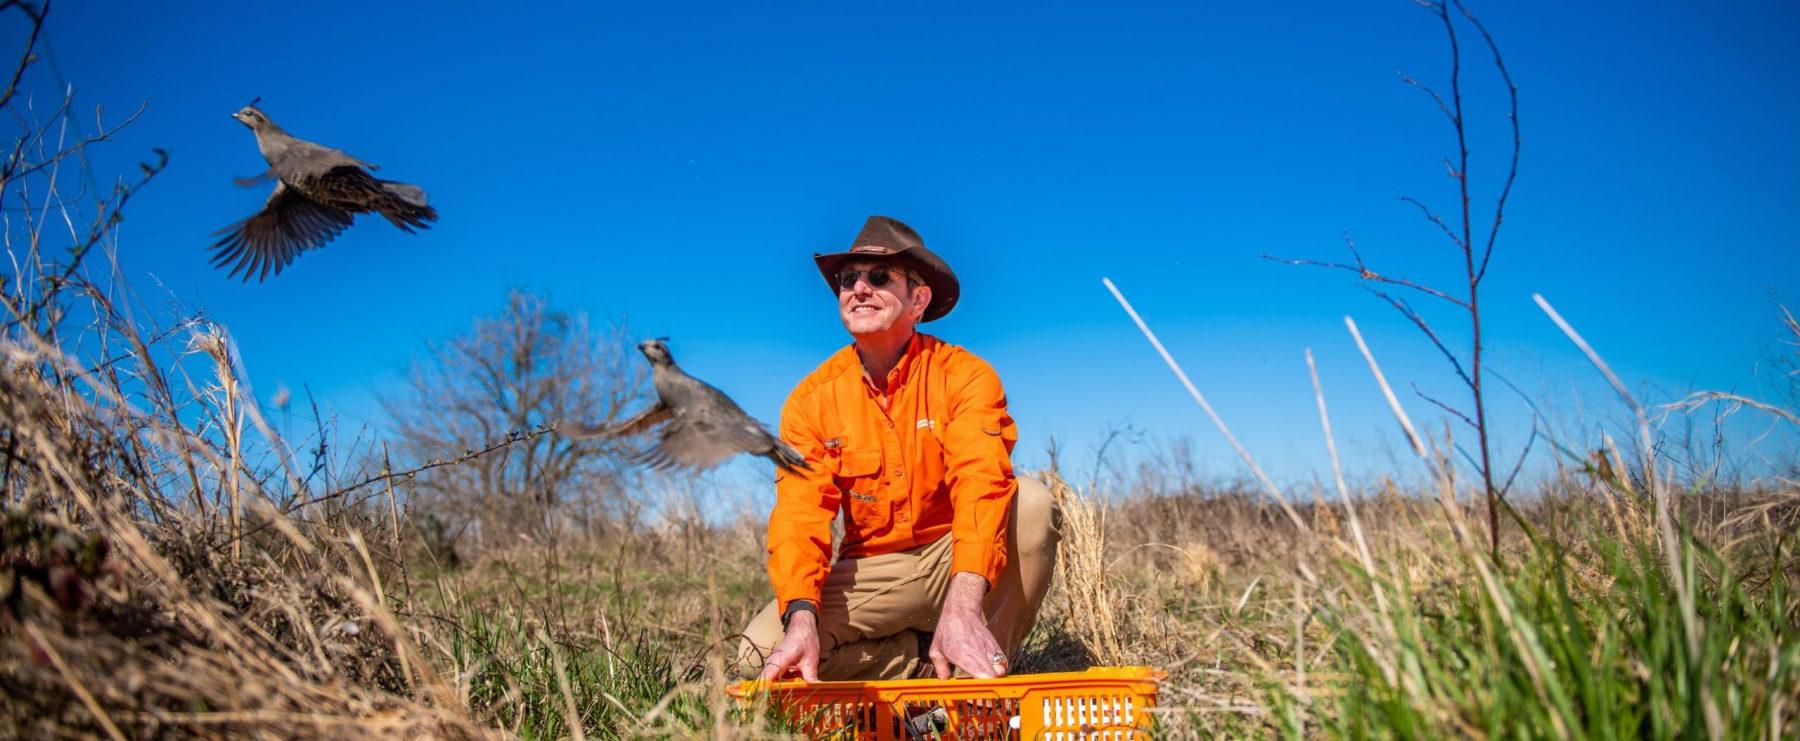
(169, 567)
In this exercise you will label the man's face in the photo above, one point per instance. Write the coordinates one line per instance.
(870, 310)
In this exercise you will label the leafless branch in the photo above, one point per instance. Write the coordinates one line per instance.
(1512, 115)
(1439, 403)
(109, 216)
(1410, 80)
(1407, 311)
(180, 326)
(511, 438)
(1435, 219)
(1519, 464)
(1365, 273)
(102, 135)
(37, 16)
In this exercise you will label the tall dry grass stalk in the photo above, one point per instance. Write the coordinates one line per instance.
(1092, 603)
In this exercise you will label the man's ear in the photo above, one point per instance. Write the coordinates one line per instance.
(921, 302)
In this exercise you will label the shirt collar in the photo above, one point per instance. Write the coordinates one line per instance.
(902, 370)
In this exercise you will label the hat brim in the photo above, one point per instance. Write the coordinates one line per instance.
(945, 289)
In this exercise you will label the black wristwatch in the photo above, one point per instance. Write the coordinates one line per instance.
(799, 605)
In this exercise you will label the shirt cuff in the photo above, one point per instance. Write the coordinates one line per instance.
(789, 600)
(986, 560)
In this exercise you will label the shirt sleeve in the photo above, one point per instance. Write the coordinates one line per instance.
(799, 540)
(978, 443)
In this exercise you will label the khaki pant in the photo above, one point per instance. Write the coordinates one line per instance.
(878, 612)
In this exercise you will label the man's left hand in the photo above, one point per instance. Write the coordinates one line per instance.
(962, 638)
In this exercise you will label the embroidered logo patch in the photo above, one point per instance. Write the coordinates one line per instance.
(991, 429)
(834, 443)
(865, 498)
(926, 424)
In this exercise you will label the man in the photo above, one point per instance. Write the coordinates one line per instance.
(945, 554)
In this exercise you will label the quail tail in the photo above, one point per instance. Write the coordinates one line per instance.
(405, 206)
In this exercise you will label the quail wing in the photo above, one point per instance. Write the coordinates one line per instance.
(708, 427)
(651, 417)
(288, 224)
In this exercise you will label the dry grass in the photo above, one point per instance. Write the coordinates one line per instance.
(156, 585)
(169, 569)
(171, 566)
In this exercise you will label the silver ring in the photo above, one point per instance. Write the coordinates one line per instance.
(997, 658)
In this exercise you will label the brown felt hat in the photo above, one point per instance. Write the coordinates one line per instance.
(884, 238)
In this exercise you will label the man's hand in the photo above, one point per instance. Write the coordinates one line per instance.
(963, 638)
(798, 650)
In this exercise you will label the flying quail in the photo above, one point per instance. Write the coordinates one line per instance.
(318, 191)
(704, 426)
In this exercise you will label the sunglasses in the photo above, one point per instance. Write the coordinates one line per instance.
(877, 277)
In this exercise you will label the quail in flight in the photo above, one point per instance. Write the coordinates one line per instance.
(318, 192)
(703, 425)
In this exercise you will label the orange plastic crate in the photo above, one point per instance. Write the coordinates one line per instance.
(1100, 703)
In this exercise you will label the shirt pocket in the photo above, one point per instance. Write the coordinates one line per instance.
(858, 477)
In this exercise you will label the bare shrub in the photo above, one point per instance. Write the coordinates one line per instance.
(507, 378)
(1464, 229)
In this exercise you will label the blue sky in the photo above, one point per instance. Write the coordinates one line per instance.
(676, 163)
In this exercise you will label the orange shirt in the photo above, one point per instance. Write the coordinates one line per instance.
(936, 460)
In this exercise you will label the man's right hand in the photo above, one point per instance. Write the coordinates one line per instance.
(798, 650)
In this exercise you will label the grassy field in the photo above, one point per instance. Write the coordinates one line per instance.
(167, 572)
(170, 565)
(1622, 606)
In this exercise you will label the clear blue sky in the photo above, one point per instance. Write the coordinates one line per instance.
(678, 162)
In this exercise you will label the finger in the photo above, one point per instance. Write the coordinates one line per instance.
(778, 664)
(978, 669)
(940, 663)
(809, 667)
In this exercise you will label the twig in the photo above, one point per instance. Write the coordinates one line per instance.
(1512, 115)
(1435, 98)
(1406, 310)
(1519, 464)
(1368, 274)
(1450, 410)
(160, 336)
(386, 476)
(104, 135)
(513, 437)
(102, 226)
(1434, 218)
(26, 57)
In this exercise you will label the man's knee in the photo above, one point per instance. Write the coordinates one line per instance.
(1038, 516)
(759, 638)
